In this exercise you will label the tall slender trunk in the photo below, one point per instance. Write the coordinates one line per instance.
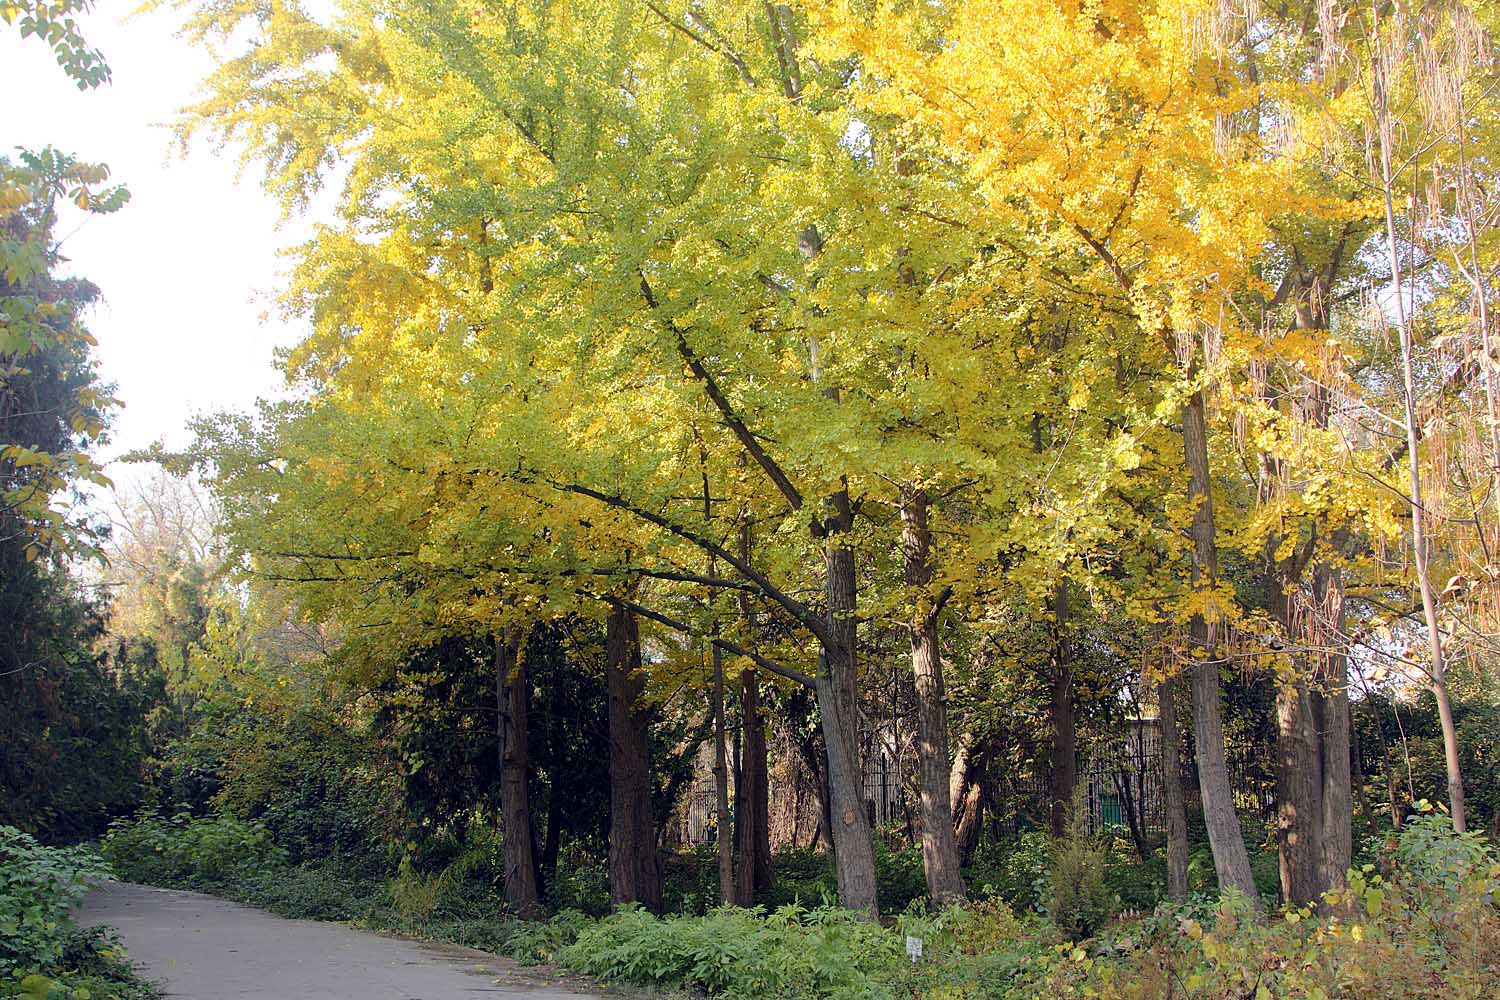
(1437, 668)
(1225, 838)
(721, 785)
(1338, 789)
(752, 790)
(1173, 799)
(721, 765)
(1299, 795)
(837, 687)
(940, 859)
(520, 882)
(634, 867)
(1062, 714)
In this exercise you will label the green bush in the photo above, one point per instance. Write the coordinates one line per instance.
(187, 851)
(44, 955)
(325, 890)
(826, 952)
(39, 887)
(803, 877)
(1016, 871)
(1077, 901)
(93, 964)
(1431, 852)
(579, 882)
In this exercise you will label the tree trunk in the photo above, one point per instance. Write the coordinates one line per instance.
(1062, 715)
(1437, 667)
(1299, 795)
(1173, 799)
(752, 813)
(837, 686)
(752, 790)
(1299, 777)
(721, 786)
(966, 795)
(940, 858)
(1338, 789)
(520, 883)
(634, 867)
(1226, 840)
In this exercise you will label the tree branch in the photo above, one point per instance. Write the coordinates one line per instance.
(721, 402)
(790, 673)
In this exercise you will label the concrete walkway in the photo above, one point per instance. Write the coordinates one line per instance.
(204, 948)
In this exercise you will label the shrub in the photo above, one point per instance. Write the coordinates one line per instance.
(189, 851)
(39, 887)
(826, 952)
(804, 877)
(899, 877)
(579, 882)
(1078, 902)
(1015, 871)
(1431, 852)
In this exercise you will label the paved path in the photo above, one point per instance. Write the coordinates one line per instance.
(204, 948)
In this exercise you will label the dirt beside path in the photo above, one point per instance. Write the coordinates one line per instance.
(204, 948)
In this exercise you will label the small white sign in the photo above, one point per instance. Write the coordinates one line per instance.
(913, 948)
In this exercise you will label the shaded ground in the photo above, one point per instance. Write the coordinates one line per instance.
(203, 948)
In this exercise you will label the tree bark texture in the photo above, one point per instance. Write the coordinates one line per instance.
(634, 866)
(721, 785)
(940, 858)
(1226, 839)
(1337, 852)
(837, 687)
(520, 882)
(1173, 798)
(752, 810)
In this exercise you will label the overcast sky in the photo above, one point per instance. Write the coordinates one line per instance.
(190, 265)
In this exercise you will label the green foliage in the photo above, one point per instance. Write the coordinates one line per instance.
(1431, 852)
(1078, 902)
(741, 953)
(39, 886)
(93, 966)
(56, 24)
(187, 851)
(579, 882)
(1015, 871)
(315, 782)
(44, 955)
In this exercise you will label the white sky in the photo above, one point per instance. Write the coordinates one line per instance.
(190, 265)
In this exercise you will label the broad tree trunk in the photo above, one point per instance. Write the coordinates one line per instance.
(1062, 715)
(1299, 774)
(1299, 795)
(520, 882)
(1173, 799)
(837, 687)
(1225, 838)
(940, 859)
(634, 867)
(752, 813)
